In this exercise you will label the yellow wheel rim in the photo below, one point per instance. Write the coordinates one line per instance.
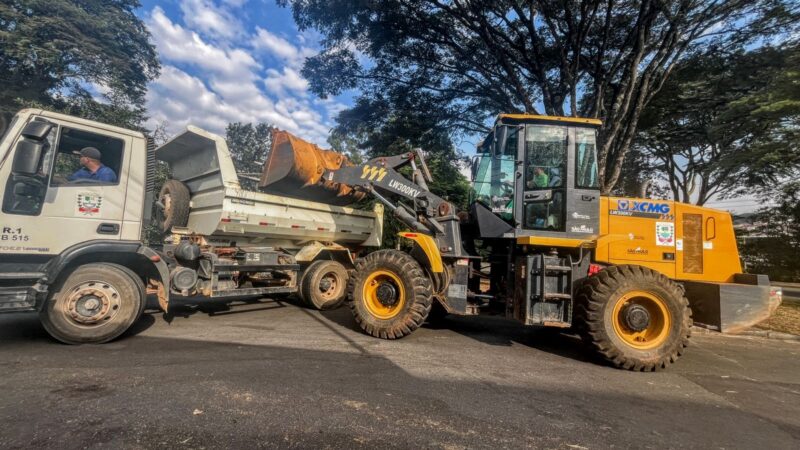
(370, 294)
(658, 327)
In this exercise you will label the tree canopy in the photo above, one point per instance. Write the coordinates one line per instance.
(461, 62)
(54, 52)
(248, 145)
(723, 123)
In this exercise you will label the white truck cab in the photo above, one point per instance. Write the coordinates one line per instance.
(71, 247)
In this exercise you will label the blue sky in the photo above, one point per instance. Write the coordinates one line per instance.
(233, 61)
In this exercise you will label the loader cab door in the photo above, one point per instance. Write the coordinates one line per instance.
(493, 176)
(558, 190)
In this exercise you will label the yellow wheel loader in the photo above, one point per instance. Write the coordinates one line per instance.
(541, 245)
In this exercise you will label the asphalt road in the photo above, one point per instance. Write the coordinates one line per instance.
(275, 375)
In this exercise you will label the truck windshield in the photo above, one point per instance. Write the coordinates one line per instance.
(493, 181)
(5, 129)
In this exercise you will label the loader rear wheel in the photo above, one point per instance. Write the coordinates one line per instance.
(94, 304)
(324, 284)
(634, 318)
(389, 294)
(174, 202)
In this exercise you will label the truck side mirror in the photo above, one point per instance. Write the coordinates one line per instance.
(27, 157)
(37, 130)
(29, 150)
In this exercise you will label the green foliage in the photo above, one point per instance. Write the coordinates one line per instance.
(773, 245)
(248, 145)
(724, 123)
(460, 63)
(51, 51)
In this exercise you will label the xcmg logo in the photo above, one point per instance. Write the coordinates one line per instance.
(645, 207)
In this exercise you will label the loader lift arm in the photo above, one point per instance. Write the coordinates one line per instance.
(430, 214)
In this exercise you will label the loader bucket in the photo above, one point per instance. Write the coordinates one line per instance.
(295, 168)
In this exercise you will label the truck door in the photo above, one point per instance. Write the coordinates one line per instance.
(69, 209)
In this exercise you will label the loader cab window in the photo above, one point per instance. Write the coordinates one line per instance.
(67, 161)
(586, 159)
(493, 174)
(545, 177)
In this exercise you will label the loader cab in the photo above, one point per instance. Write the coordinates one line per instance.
(539, 175)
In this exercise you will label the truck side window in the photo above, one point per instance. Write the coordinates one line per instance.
(69, 171)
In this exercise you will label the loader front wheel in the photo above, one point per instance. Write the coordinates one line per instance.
(634, 318)
(389, 294)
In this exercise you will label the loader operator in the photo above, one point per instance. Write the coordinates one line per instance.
(92, 168)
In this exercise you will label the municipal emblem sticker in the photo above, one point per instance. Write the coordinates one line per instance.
(665, 234)
(89, 204)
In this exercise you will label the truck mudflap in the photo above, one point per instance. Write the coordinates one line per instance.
(163, 272)
(733, 307)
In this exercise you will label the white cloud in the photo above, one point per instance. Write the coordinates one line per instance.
(289, 79)
(207, 17)
(292, 55)
(212, 83)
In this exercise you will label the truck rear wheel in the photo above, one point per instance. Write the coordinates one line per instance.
(174, 200)
(95, 304)
(389, 294)
(634, 318)
(324, 284)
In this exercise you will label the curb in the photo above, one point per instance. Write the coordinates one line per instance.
(750, 333)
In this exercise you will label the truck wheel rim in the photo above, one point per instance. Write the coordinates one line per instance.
(92, 303)
(329, 286)
(373, 302)
(657, 327)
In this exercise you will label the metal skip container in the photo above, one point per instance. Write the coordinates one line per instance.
(295, 168)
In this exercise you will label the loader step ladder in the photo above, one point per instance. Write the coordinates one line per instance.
(548, 286)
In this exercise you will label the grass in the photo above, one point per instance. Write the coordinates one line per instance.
(785, 320)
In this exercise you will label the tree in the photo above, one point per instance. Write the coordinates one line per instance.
(53, 53)
(724, 123)
(474, 59)
(773, 244)
(248, 145)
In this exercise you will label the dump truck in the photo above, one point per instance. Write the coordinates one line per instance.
(542, 246)
(73, 249)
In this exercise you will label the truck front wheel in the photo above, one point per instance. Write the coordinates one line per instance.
(389, 294)
(634, 318)
(94, 304)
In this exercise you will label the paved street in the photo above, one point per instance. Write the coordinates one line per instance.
(270, 374)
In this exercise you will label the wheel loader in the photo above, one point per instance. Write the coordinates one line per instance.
(541, 245)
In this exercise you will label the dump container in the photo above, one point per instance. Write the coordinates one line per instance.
(221, 210)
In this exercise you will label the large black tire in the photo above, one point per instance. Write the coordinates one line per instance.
(324, 284)
(175, 198)
(609, 316)
(69, 315)
(391, 271)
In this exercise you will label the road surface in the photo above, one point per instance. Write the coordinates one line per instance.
(274, 375)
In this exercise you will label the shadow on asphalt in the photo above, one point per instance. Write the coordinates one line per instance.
(491, 330)
(168, 393)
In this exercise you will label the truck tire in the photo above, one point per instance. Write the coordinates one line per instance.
(174, 197)
(324, 284)
(633, 317)
(94, 304)
(389, 294)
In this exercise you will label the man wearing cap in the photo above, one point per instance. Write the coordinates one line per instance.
(92, 168)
